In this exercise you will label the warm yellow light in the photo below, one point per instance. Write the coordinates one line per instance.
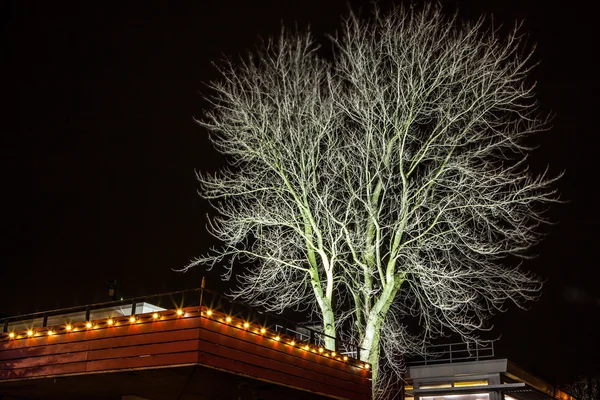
(366, 366)
(209, 313)
(110, 321)
(292, 343)
(306, 347)
(345, 358)
(320, 349)
(68, 327)
(246, 325)
(50, 333)
(30, 333)
(263, 330)
(277, 337)
(155, 315)
(11, 335)
(132, 319)
(470, 383)
(228, 319)
(333, 354)
(88, 325)
(180, 312)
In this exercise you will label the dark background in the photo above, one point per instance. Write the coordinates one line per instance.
(99, 149)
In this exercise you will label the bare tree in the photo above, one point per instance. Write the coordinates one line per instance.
(386, 185)
(585, 388)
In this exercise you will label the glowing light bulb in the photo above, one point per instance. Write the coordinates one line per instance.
(228, 319)
(132, 319)
(11, 335)
(366, 366)
(292, 343)
(277, 337)
(88, 325)
(30, 333)
(320, 349)
(246, 325)
(68, 327)
(110, 321)
(180, 312)
(345, 358)
(50, 333)
(155, 315)
(333, 354)
(209, 313)
(306, 347)
(263, 330)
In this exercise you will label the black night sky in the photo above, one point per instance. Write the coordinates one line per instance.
(100, 149)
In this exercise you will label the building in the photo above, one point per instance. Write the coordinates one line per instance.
(463, 374)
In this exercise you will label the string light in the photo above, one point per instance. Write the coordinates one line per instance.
(180, 312)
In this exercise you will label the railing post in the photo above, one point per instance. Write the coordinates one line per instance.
(450, 352)
(201, 294)
(477, 351)
(5, 328)
(133, 306)
(88, 311)
(45, 321)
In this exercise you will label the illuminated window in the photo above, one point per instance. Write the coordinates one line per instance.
(470, 383)
(436, 386)
(477, 396)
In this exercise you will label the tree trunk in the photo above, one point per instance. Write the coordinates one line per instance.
(370, 347)
(329, 328)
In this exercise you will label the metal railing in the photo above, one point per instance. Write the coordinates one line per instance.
(198, 297)
(453, 352)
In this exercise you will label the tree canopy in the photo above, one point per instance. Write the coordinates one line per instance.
(386, 184)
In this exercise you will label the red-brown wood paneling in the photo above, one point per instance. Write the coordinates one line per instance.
(175, 340)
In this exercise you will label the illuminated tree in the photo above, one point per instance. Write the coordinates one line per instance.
(386, 185)
(585, 388)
